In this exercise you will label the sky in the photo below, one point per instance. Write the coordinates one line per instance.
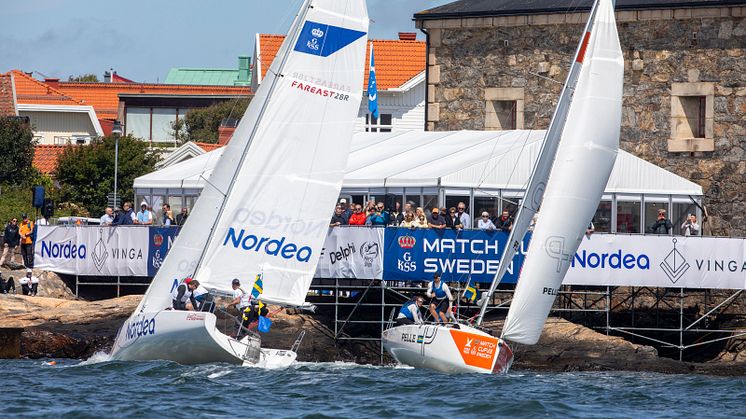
(143, 39)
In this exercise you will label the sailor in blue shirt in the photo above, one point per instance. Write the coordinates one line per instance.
(442, 299)
(410, 312)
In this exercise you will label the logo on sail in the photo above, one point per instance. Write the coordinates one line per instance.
(269, 245)
(324, 40)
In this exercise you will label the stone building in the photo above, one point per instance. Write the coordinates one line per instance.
(500, 64)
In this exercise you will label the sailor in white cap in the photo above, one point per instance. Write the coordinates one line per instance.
(29, 283)
(144, 216)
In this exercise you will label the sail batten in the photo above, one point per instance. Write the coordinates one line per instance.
(584, 161)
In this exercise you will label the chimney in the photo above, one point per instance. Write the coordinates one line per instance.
(107, 77)
(244, 74)
(226, 129)
(407, 36)
(53, 83)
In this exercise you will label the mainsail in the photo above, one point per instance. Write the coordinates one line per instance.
(581, 169)
(266, 206)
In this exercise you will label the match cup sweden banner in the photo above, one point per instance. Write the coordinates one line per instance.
(352, 252)
(659, 261)
(160, 241)
(104, 251)
(458, 255)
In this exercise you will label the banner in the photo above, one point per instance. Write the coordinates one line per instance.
(160, 240)
(354, 252)
(104, 251)
(659, 261)
(457, 255)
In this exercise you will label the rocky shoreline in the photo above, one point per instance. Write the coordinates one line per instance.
(43, 327)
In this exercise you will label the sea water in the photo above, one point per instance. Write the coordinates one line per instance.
(101, 388)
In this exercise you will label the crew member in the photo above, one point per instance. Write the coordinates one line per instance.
(442, 298)
(241, 300)
(410, 312)
(204, 299)
(185, 292)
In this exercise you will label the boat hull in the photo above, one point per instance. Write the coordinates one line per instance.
(448, 349)
(185, 337)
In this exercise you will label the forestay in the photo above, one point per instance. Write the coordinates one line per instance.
(585, 158)
(266, 206)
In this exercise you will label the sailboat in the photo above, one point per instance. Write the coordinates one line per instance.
(569, 177)
(265, 208)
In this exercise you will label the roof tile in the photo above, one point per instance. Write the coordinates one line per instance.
(34, 92)
(7, 99)
(46, 156)
(208, 147)
(396, 61)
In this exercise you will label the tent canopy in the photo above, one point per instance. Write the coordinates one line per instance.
(458, 159)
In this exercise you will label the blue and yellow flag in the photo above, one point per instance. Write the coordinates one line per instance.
(470, 294)
(258, 287)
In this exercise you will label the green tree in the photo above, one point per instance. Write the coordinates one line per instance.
(86, 173)
(202, 124)
(84, 78)
(17, 155)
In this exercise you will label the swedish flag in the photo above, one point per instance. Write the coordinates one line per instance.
(258, 287)
(470, 294)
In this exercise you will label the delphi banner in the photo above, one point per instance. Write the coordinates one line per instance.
(352, 252)
(105, 251)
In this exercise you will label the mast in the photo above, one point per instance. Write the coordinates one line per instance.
(538, 180)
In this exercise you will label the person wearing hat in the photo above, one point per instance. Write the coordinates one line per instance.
(29, 283)
(144, 216)
(346, 209)
(436, 220)
(241, 300)
(26, 230)
(410, 312)
(485, 223)
(183, 293)
(441, 297)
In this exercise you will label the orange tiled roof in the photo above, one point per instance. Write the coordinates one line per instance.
(104, 97)
(396, 61)
(46, 156)
(207, 146)
(7, 101)
(34, 92)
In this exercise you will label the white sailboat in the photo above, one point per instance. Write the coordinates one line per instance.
(265, 208)
(574, 165)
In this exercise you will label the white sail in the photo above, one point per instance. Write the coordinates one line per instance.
(267, 204)
(584, 161)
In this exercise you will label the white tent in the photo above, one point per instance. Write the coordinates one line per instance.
(457, 159)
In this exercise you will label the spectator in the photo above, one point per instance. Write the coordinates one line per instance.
(396, 216)
(358, 217)
(420, 221)
(168, 215)
(453, 220)
(690, 226)
(125, 216)
(371, 204)
(662, 224)
(182, 216)
(42, 221)
(108, 218)
(29, 283)
(375, 217)
(144, 216)
(6, 286)
(381, 209)
(338, 219)
(346, 211)
(12, 238)
(408, 220)
(534, 219)
(505, 221)
(26, 230)
(590, 229)
(435, 220)
(485, 223)
(463, 215)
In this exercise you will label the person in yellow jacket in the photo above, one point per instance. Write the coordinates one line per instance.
(26, 230)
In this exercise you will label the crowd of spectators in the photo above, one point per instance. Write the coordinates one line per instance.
(126, 215)
(376, 214)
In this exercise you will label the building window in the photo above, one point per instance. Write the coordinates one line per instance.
(503, 108)
(692, 108)
(372, 124)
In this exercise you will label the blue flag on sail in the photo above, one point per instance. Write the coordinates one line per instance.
(372, 87)
(324, 40)
(258, 287)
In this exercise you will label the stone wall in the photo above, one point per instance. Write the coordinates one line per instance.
(468, 56)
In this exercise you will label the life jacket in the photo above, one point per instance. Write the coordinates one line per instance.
(440, 293)
(406, 311)
(185, 297)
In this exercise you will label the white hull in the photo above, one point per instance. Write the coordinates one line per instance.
(448, 349)
(189, 337)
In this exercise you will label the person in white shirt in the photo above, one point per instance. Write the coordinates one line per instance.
(108, 217)
(144, 216)
(485, 223)
(242, 302)
(29, 283)
(690, 227)
(442, 299)
(463, 215)
(42, 221)
(410, 312)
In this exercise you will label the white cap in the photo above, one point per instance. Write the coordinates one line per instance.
(342, 201)
(143, 203)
